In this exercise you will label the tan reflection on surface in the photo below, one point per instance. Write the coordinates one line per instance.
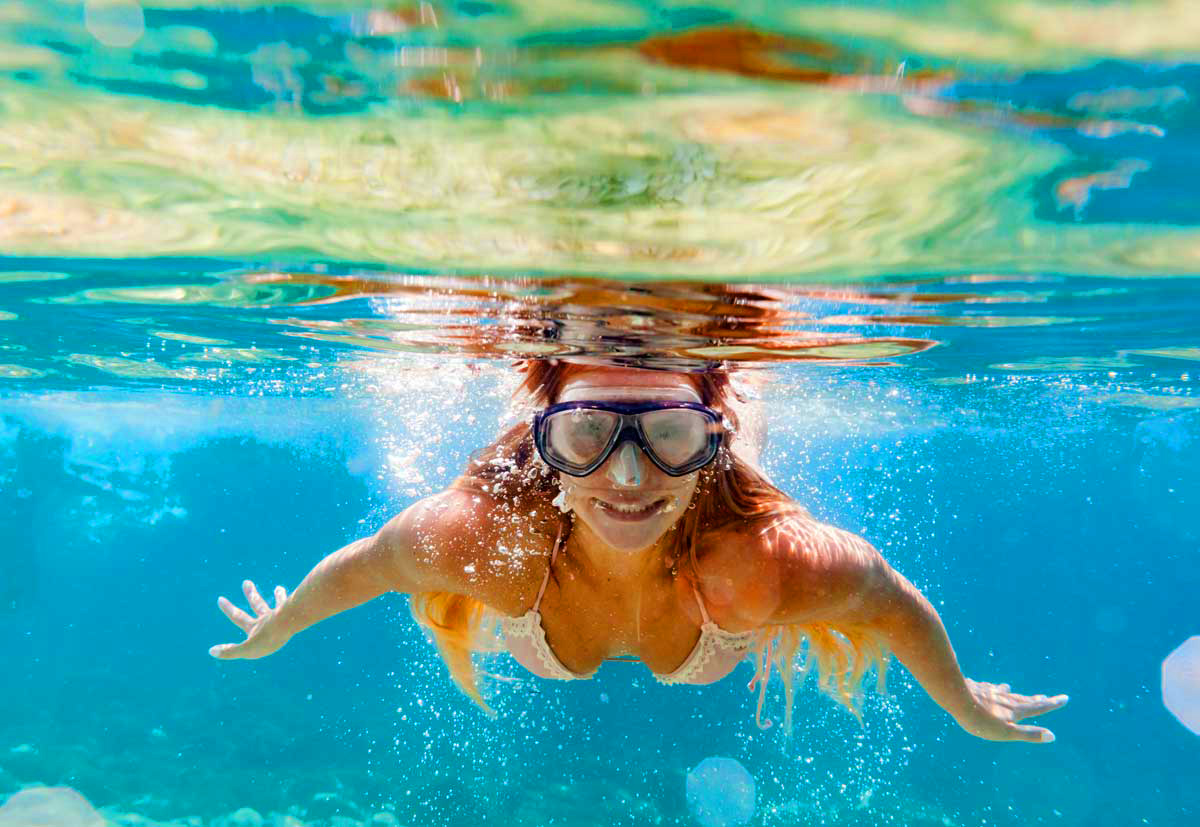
(1067, 364)
(1152, 401)
(1021, 34)
(188, 339)
(783, 182)
(667, 322)
(20, 372)
(739, 151)
(1188, 354)
(1075, 192)
(958, 321)
(137, 368)
(688, 322)
(1141, 28)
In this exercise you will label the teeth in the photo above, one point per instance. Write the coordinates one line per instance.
(627, 509)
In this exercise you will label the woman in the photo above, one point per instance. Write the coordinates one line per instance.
(627, 520)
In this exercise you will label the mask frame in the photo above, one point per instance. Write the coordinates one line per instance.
(629, 428)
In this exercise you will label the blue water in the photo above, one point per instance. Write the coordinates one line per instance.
(227, 353)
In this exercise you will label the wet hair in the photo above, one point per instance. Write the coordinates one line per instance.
(729, 491)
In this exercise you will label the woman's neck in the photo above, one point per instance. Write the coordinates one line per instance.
(605, 563)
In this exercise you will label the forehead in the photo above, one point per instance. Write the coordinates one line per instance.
(642, 384)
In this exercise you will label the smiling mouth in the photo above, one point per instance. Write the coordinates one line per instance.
(632, 513)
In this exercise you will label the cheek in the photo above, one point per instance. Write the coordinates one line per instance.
(575, 492)
(684, 489)
(689, 484)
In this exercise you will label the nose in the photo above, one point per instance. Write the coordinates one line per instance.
(625, 468)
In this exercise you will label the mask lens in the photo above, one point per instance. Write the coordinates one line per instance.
(677, 436)
(578, 437)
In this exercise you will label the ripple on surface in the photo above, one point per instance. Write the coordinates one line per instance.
(20, 372)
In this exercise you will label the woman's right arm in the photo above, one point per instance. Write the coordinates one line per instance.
(414, 552)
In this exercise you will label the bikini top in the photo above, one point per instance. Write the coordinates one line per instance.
(714, 656)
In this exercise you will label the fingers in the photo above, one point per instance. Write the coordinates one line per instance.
(1031, 734)
(256, 602)
(1034, 705)
(224, 651)
(1040, 705)
(244, 621)
(240, 618)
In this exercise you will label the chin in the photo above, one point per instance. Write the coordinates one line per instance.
(628, 541)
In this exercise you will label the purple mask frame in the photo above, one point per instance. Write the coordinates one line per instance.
(629, 428)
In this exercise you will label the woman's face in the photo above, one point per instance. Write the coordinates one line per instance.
(628, 502)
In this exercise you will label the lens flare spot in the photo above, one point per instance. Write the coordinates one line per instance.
(720, 793)
(1181, 683)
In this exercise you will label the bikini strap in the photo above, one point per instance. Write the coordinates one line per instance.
(546, 579)
(700, 603)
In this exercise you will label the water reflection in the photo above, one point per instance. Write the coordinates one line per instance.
(668, 323)
(839, 142)
(282, 328)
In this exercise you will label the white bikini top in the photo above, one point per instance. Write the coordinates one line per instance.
(714, 656)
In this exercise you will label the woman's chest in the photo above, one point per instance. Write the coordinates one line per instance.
(586, 624)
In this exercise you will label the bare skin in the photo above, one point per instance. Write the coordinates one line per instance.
(612, 595)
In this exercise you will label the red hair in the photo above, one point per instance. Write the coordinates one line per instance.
(729, 491)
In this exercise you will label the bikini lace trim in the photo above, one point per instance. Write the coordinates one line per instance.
(529, 627)
(712, 639)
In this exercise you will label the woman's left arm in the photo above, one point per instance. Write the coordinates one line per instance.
(826, 575)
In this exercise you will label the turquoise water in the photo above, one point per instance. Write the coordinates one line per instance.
(264, 270)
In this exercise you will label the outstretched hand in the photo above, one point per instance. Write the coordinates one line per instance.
(998, 709)
(263, 636)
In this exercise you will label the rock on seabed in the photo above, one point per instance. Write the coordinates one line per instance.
(49, 807)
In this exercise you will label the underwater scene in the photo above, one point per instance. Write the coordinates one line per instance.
(650, 413)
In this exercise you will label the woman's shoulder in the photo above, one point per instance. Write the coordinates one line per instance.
(743, 539)
(488, 547)
(747, 567)
(735, 570)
